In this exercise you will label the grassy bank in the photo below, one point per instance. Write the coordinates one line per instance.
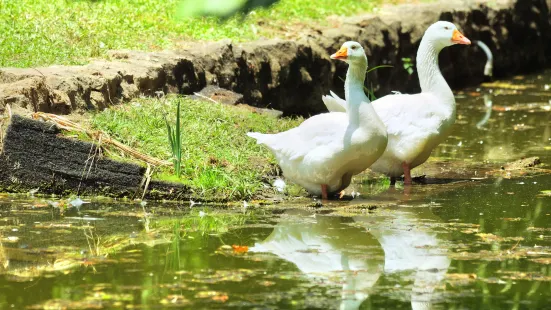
(45, 32)
(219, 160)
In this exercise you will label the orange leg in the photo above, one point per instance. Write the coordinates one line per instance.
(324, 191)
(407, 174)
(341, 194)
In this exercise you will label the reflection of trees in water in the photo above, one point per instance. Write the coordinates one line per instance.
(504, 209)
(4, 262)
(324, 246)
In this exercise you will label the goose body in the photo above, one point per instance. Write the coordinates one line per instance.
(416, 123)
(326, 150)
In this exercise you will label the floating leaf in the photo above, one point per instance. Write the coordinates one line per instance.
(240, 248)
(214, 295)
(542, 260)
(174, 300)
(493, 238)
(530, 276)
(267, 283)
(512, 219)
(507, 86)
(220, 297)
(460, 278)
(539, 229)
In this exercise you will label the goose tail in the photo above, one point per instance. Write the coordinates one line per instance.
(332, 102)
(260, 137)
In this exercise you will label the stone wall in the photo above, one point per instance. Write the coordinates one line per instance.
(291, 76)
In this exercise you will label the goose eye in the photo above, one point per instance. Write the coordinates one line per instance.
(353, 47)
(447, 28)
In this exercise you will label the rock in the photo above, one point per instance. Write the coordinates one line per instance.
(219, 95)
(97, 100)
(270, 112)
(523, 163)
(291, 76)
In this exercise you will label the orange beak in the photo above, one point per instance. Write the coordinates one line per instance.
(340, 54)
(459, 38)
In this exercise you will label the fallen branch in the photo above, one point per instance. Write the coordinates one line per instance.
(65, 124)
(206, 98)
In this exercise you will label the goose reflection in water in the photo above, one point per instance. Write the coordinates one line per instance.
(409, 240)
(487, 108)
(329, 247)
(326, 249)
(410, 246)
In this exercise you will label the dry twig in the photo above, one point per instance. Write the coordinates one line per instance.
(65, 124)
(205, 97)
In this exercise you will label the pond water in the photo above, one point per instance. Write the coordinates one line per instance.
(475, 236)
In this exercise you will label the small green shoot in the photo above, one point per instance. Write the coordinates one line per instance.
(378, 67)
(175, 142)
(371, 92)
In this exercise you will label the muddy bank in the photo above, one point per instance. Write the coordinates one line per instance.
(291, 76)
(36, 157)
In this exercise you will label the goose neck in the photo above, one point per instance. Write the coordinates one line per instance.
(430, 77)
(354, 92)
(355, 78)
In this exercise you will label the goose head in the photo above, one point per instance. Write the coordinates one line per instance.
(351, 52)
(442, 34)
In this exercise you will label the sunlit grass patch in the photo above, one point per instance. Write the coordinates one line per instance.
(45, 32)
(218, 160)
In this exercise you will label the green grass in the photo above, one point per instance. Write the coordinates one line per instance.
(218, 160)
(45, 32)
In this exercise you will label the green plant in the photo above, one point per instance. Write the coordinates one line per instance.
(379, 67)
(370, 91)
(175, 142)
(408, 65)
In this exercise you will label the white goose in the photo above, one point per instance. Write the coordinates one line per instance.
(416, 124)
(326, 150)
